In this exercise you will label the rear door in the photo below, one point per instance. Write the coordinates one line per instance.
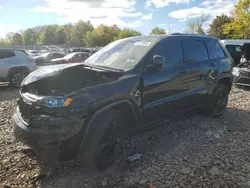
(76, 58)
(81, 58)
(6, 62)
(196, 65)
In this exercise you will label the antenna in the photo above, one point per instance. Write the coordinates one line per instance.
(169, 27)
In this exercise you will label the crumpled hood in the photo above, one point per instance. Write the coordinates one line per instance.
(65, 78)
(45, 72)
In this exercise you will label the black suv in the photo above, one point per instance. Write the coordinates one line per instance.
(83, 110)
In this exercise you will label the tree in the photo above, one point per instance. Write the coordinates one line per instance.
(48, 36)
(239, 27)
(195, 25)
(61, 35)
(157, 31)
(127, 33)
(216, 27)
(30, 37)
(17, 39)
(78, 32)
(3, 42)
(100, 36)
(14, 38)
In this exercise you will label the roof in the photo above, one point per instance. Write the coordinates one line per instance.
(73, 53)
(173, 35)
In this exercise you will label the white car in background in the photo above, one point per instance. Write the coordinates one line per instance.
(15, 65)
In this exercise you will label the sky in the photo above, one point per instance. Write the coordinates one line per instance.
(141, 15)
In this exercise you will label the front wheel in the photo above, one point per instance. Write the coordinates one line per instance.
(104, 141)
(217, 102)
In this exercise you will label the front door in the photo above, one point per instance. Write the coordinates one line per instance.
(164, 90)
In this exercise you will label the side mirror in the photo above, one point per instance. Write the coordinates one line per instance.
(158, 61)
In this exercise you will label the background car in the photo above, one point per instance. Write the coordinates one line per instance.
(32, 53)
(47, 57)
(72, 58)
(15, 65)
(242, 71)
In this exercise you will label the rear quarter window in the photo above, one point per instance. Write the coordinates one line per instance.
(214, 49)
(6, 54)
(21, 54)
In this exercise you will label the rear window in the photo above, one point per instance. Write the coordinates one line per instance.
(214, 49)
(6, 54)
(194, 50)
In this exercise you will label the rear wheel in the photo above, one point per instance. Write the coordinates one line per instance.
(17, 77)
(104, 140)
(217, 103)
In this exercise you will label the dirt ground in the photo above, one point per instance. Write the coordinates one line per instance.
(194, 152)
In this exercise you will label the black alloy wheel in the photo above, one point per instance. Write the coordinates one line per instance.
(17, 78)
(110, 146)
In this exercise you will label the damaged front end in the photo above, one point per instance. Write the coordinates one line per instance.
(46, 117)
(241, 73)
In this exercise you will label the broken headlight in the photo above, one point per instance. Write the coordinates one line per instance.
(236, 71)
(57, 102)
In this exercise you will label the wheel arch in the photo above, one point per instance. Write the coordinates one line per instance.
(226, 80)
(16, 69)
(117, 105)
(123, 105)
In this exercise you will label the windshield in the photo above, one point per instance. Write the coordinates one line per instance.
(45, 54)
(69, 56)
(122, 54)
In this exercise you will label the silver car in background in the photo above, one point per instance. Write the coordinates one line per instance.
(15, 65)
(47, 57)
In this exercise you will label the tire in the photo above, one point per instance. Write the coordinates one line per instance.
(217, 102)
(17, 77)
(95, 151)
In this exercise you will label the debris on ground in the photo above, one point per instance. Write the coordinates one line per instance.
(135, 157)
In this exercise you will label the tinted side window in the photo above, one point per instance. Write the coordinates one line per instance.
(171, 50)
(214, 49)
(194, 50)
(6, 54)
(56, 55)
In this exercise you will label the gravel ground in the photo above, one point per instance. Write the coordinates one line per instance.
(194, 152)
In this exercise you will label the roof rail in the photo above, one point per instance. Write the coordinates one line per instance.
(175, 34)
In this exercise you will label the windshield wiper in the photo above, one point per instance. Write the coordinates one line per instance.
(103, 67)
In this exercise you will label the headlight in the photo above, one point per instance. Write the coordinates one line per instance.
(57, 102)
(236, 71)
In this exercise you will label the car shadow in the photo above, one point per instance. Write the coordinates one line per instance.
(164, 138)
